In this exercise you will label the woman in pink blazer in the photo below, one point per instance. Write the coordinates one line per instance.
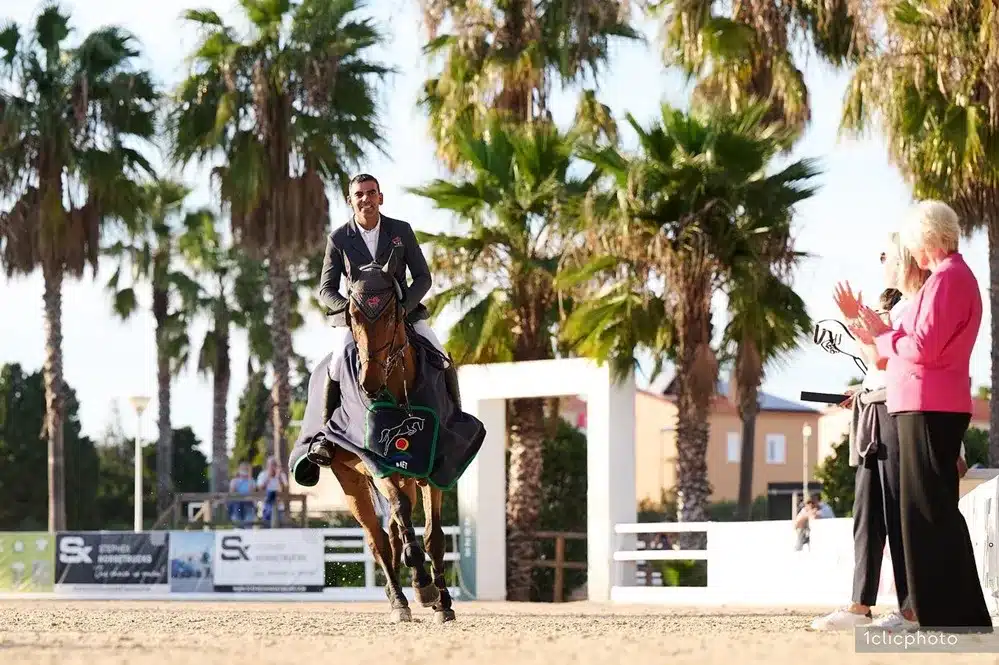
(929, 396)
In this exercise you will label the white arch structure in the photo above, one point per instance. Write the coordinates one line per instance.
(610, 466)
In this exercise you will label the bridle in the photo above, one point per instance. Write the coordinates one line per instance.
(367, 356)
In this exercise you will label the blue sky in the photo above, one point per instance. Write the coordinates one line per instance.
(843, 227)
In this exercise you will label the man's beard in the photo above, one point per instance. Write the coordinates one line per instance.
(370, 215)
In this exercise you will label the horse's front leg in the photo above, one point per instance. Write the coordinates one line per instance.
(402, 496)
(360, 501)
(433, 541)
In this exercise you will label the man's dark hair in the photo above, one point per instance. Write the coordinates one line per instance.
(364, 177)
(889, 298)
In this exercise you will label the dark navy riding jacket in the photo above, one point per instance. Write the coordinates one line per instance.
(345, 250)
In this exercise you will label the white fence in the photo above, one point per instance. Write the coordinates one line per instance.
(353, 540)
(755, 563)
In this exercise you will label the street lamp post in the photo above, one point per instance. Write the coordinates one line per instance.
(806, 434)
(139, 403)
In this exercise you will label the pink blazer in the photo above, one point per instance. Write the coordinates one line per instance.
(929, 351)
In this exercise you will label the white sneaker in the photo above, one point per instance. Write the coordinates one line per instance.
(841, 619)
(895, 622)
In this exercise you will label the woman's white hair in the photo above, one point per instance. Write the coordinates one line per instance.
(931, 225)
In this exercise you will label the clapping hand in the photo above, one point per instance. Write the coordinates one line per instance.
(873, 321)
(848, 303)
(869, 325)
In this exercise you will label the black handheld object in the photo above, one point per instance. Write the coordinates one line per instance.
(823, 398)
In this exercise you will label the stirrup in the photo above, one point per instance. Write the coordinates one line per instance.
(320, 454)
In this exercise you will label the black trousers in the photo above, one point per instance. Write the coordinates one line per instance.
(877, 518)
(944, 587)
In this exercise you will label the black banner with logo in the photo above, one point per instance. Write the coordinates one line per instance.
(131, 560)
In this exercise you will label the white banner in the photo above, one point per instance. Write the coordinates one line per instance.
(278, 560)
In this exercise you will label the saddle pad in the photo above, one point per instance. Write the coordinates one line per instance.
(405, 440)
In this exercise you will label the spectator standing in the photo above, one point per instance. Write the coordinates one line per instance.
(241, 512)
(929, 397)
(273, 480)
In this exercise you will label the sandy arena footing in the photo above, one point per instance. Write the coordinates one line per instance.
(210, 633)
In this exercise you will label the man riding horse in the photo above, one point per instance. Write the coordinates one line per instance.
(383, 413)
(370, 237)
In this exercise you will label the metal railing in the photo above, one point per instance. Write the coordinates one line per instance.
(214, 503)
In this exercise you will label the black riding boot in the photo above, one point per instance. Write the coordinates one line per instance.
(451, 381)
(303, 470)
(321, 452)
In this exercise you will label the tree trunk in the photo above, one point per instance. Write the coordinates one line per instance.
(54, 398)
(164, 440)
(280, 284)
(748, 410)
(523, 502)
(697, 377)
(220, 395)
(993, 231)
(692, 428)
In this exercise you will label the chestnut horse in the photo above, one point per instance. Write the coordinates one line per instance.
(387, 363)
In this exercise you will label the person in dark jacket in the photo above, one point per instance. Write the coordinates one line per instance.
(370, 237)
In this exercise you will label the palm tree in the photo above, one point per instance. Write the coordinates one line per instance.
(678, 218)
(230, 287)
(68, 118)
(500, 270)
(150, 251)
(504, 57)
(932, 90)
(290, 109)
(768, 321)
(740, 53)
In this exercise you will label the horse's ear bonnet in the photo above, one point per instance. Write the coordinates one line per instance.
(389, 269)
(370, 292)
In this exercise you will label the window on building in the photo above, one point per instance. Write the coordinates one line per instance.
(734, 447)
(776, 449)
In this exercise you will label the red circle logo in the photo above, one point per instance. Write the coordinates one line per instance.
(402, 444)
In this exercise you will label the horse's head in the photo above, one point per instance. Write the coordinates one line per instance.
(377, 322)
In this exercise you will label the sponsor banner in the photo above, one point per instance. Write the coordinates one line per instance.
(191, 561)
(26, 562)
(91, 561)
(279, 560)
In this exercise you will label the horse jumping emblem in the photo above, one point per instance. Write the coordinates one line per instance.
(407, 427)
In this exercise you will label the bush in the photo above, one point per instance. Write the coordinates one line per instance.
(838, 479)
(976, 447)
(563, 508)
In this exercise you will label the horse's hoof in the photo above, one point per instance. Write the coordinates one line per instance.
(428, 595)
(401, 615)
(443, 616)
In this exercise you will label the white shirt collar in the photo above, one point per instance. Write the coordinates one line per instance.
(375, 229)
